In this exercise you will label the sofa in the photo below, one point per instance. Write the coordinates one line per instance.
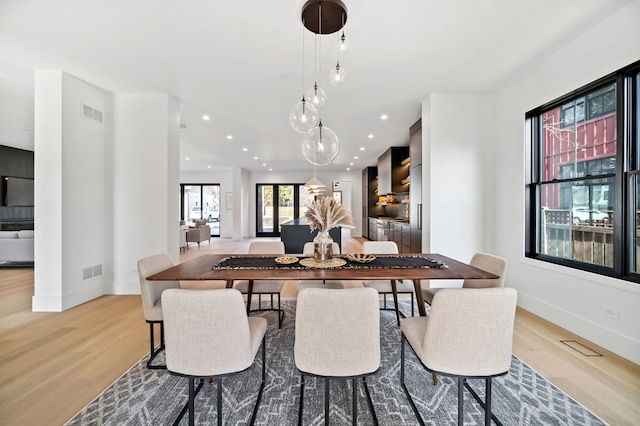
(201, 232)
(16, 246)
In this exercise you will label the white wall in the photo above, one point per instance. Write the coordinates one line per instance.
(457, 176)
(145, 179)
(70, 188)
(572, 299)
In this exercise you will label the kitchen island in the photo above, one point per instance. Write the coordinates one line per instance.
(296, 232)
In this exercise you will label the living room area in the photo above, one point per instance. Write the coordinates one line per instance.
(16, 207)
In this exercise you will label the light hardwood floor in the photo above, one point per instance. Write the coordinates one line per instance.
(53, 364)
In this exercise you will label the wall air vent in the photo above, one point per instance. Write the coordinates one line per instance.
(91, 113)
(91, 272)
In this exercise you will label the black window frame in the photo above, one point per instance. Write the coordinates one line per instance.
(627, 169)
(276, 217)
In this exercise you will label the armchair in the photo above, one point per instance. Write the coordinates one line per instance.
(202, 232)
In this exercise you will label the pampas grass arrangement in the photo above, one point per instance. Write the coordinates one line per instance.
(325, 214)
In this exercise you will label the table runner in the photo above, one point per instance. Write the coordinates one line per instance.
(390, 262)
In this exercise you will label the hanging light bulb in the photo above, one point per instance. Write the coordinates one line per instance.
(320, 145)
(342, 44)
(337, 75)
(316, 96)
(303, 116)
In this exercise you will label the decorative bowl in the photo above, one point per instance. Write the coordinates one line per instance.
(286, 260)
(361, 257)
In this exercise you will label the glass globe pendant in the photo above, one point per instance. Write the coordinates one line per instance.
(316, 96)
(320, 145)
(337, 75)
(303, 116)
(342, 44)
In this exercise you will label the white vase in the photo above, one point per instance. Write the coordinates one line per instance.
(323, 247)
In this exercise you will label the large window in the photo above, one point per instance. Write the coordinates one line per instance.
(277, 204)
(583, 189)
(201, 201)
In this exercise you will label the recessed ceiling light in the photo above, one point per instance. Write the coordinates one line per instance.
(187, 158)
(355, 157)
(348, 169)
(229, 137)
(206, 117)
(370, 136)
(383, 117)
(255, 158)
(351, 164)
(245, 149)
(264, 164)
(362, 148)
(208, 167)
(270, 169)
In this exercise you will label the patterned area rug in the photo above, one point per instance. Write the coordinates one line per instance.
(155, 397)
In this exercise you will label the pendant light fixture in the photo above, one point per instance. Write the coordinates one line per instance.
(342, 45)
(337, 75)
(303, 116)
(320, 144)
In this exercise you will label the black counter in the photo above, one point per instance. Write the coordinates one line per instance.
(296, 232)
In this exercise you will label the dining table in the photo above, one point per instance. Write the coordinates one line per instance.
(415, 267)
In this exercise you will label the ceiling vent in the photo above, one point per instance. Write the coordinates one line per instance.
(91, 113)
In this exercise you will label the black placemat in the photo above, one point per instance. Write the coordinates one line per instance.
(391, 262)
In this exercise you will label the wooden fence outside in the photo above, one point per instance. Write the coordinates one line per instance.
(589, 242)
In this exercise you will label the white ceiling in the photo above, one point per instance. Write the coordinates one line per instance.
(240, 62)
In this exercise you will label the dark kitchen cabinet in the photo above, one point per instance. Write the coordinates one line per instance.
(415, 191)
(393, 170)
(415, 144)
(369, 199)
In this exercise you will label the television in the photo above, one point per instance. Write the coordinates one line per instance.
(16, 191)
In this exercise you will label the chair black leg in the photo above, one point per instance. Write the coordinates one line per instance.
(189, 406)
(487, 409)
(487, 405)
(264, 374)
(301, 399)
(326, 401)
(412, 308)
(354, 402)
(460, 400)
(404, 386)
(280, 313)
(153, 352)
(219, 401)
(192, 398)
(395, 301)
(373, 411)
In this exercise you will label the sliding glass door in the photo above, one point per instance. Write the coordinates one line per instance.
(201, 201)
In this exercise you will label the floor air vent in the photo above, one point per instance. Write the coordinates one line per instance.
(579, 347)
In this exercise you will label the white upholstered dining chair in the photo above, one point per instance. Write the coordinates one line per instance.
(467, 335)
(337, 336)
(151, 292)
(487, 262)
(333, 284)
(210, 336)
(261, 287)
(384, 287)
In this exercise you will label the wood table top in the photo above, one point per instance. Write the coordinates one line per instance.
(200, 268)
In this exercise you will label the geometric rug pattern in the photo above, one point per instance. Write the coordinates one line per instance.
(155, 397)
